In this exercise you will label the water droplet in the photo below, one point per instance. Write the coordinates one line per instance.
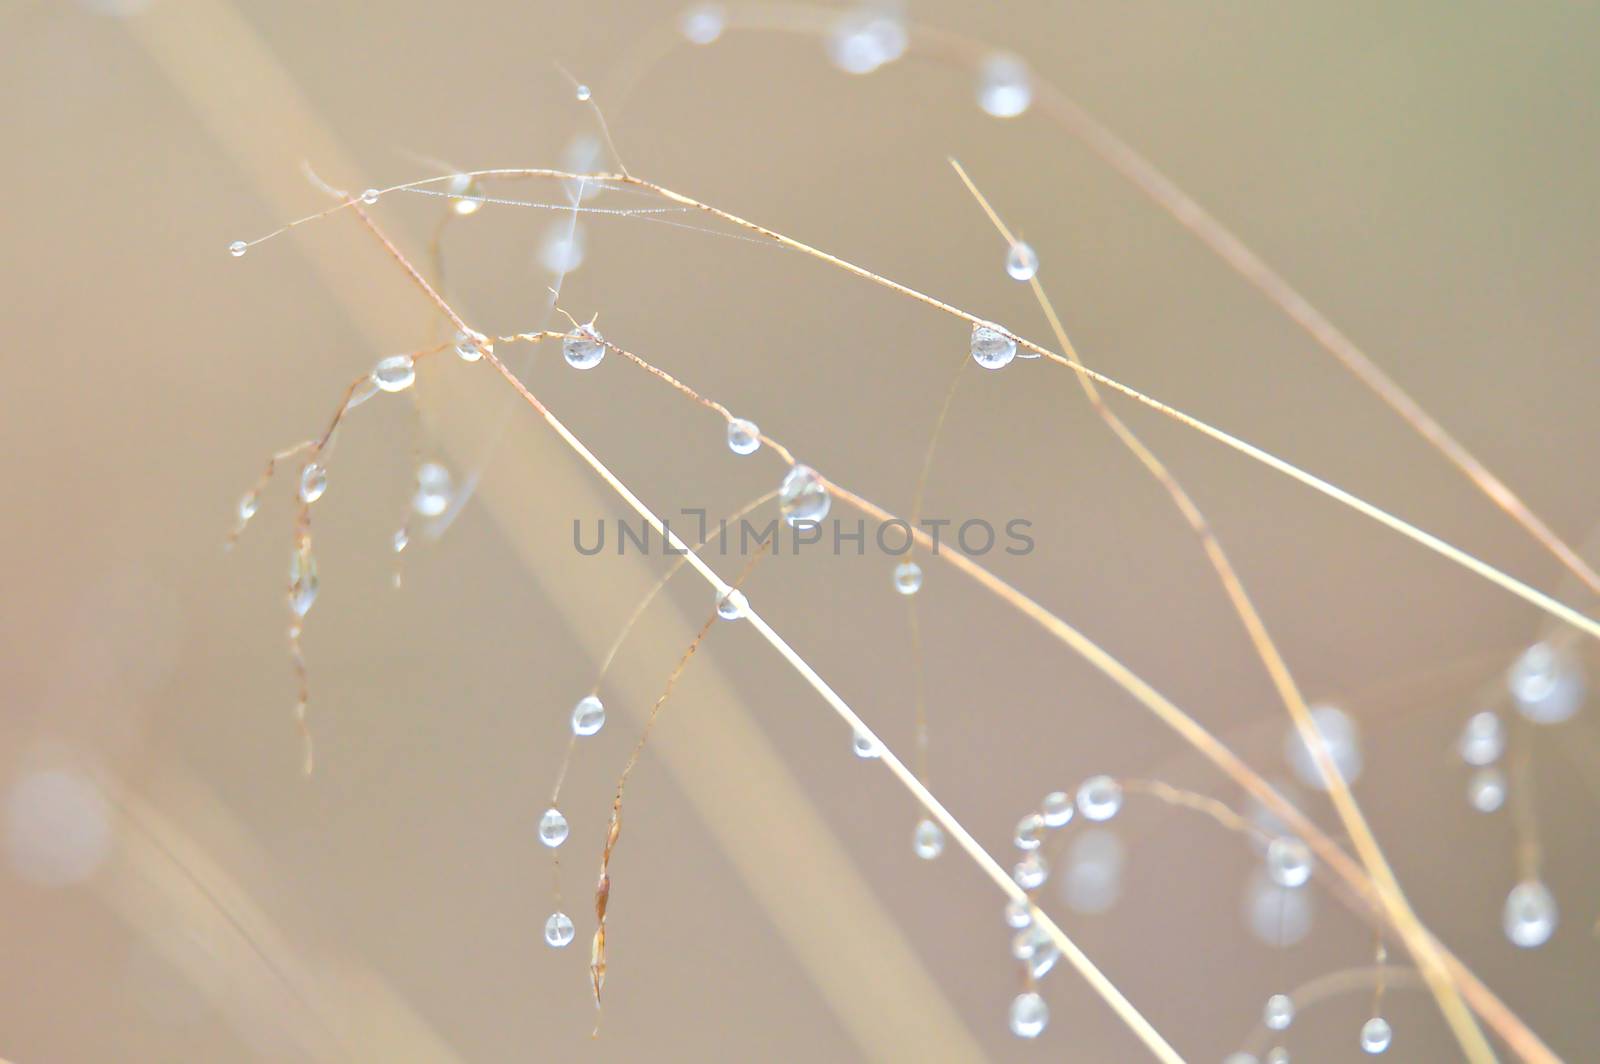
(467, 194)
(238, 248)
(803, 496)
(908, 578)
(583, 347)
(743, 436)
(1278, 1055)
(1530, 914)
(927, 841)
(1029, 832)
(1005, 86)
(395, 373)
(248, 505)
(584, 93)
(552, 828)
(313, 482)
(558, 930)
(1288, 862)
(1093, 877)
(862, 41)
(1376, 1035)
(1028, 941)
(433, 490)
(702, 23)
(991, 347)
(733, 605)
(1029, 1014)
(1017, 915)
(1483, 739)
(1044, 958)
(1031, 872)
(370, 196)
(866, 747)
(303, 583)
(1021, 262)
(469, 346)
(1339, 734)
(1547, 684)
(361, 391)
(1279, 1013)
(588, 716)
(1099, 798)
(401, 538)
(1277, 916)
(1056, 808)
(1486, 790)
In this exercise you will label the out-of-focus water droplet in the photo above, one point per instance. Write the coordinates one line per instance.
(1547, 684)
(1056, 809)
(803, 496)
(867, 748)
(562, 249)
(1031, 872)
(861, 41)
(908, 578)
(1376, 1035)
(1530, 914)
(733, 605)
(395, 373)
(1288, 862)
(558, 930)
(1343, 739)
(1029, 833)
(702, 23)
(583, 93)
(238, 248)
(553, 828)
(744, 437)
(1278, 1055)
(432, 497)
(1276, 915)
(1240, 1058)
(466, 195)
(1483, 739)
(1021, 262)
(1005, 86)
(1017, 915)
(1092, 879)
(401, 538)
(248, 505)
(1029, 1015)
(370, 196)
(1028, 941)
(1279, 1012)
(313, 482)
(1099, 798)
(991, 347)
(469, 346)
(927, 841)
(1486, 790)
(58, 827)
(583, 348)
(588, 716)
(303, 583)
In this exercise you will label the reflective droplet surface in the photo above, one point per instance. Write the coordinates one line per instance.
(432, 497)
(702, 23)
(303, 583)
(1288, 862)
(1483, 739)
(803, 496)
(1530, 914)
(744, 437)
(1029, 833)
(1099, 798)
(733, 605)
(1343, 739)
(1486, 790)
(862, 41)
(992, 348)
(466, 195)
(1279, 1012)
(583, 348)
(248, 505)
(1376, 1035)
(238, 248)
(558, 930)
(1017, 915)
(1021, 262)
(583, 93)
(313, 482)
(370, 196)
(1547, 684)
(401, 539)
(1056, 809)
(908, 578)
(552, 828)
(1029, 1015)
(1005, 86)
(1031, 872)
(927, 841)
(866, 748)
(395, 373)
(1028, 941)
(1044, 958)
(588, 716)
(469, 346)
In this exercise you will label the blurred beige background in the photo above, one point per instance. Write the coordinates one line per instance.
(173, 888)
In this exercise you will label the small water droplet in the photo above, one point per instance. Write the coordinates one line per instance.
(469, 346)
(803, 496)
(583, 348)
(1044, 958)
(1099, 798)
(1029, 833)
(1017, 915)
(1486, 790)
(238, 248)
(1342, 738)
(588, 716)
(313, 482)
(1279, 1013)
(1288, 862)
(865, 746)
(991, 347)
(1547, 684)
(303, 583)
(558, 930)
(1530, 914)
(401, 538)
(552, 828)
(1028, 941)
(1376, 1035)
(732, 606)
(908, 578)
(1031, 872)
(1056, 808)
(1005, 86)
(467, 195)
(1278, 1055)
(744, 437)
(584, 93)
(248, 506)
(433, 490)
(395, 373)
(364, 389)
(703, 23)
(1021, 262)
(1029, 1014)
(370, 196)
(864, 40)
(927, 841)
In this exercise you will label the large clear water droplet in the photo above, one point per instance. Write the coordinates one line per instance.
(1099, 798)
(744, 437)
(1056, 809)
(1288, 862)
(803, 496)
(1376, 1035)
(1279, 1012)
(588, 716)
(1486, 790)
(1343, 739)
(1530, 914)
(313, 482)
(992, 348)
(927, 841)
(702, 23)
(552, 828)
(433, 490)
(1029, 1014)
(908, 578)
(558, 930)
(1547, 684)
(395, 373)
(1005, 86)
(1021, 262)
(583, 348)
